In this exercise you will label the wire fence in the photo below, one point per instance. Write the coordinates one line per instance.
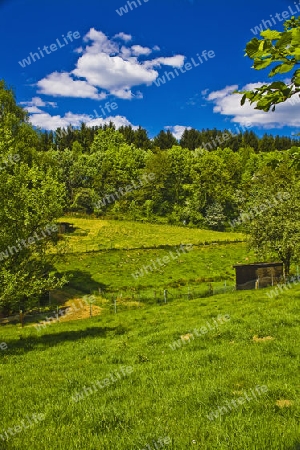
(113, 302)
(94, 247)
(122, 299)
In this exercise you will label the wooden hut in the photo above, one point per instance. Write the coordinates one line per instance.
(65, 227)
(258, 275)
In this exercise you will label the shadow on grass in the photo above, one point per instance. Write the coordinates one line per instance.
(83, 281)
(79, 280)
(44, 341)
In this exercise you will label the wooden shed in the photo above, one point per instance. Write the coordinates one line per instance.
(65, 227)
(258, 275)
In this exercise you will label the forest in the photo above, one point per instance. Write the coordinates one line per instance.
(196, 181)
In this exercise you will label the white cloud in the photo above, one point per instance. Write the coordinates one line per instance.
(33, 110)
(177, 130)
(119, 121)
(174, 61)
(138, 50)
(113, 73)
(125, 37)
(222, 93)
(48, 122)
(37, 101)
(228, 104)
(109, 66)
(99, 43)
(125, 93)
(78, 50)
(62, 85)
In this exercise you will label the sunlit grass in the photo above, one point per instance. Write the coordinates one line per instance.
(170, 392)
(95, 234)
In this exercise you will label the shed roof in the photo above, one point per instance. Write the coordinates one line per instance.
(260, 264)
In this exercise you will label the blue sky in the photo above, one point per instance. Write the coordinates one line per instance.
(114, 63)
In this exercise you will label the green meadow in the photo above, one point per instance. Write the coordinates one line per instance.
(94, 234)
(169, 393)
(155, 375)
(106, 255)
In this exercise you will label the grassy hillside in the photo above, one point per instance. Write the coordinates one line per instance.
(95, 234)
(113, 269)
(165, 393)
(106, 255)
(201, 373)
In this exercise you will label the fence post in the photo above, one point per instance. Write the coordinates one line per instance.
(165, 295)
(21, 318)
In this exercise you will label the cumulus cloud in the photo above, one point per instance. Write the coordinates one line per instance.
(37, 101)
(63, 85)
(107, 67)
(123, 36)
(138, 50)
(48, 122)
(113, 73)
(228, 104)
(78, 50)
(34, 109)
(174, 61)
(177, 130)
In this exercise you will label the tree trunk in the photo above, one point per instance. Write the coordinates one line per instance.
(287, 265)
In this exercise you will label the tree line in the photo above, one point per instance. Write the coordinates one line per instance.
(191, 139)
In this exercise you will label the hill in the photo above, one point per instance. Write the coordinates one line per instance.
(123, 381)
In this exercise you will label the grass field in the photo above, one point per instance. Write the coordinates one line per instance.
(167, 393)
(103, 234)
(106, 254)
(151, 377)
(113, 269)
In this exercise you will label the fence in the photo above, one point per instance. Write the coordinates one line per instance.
(154, 296)
(112, 302)
(92, 247)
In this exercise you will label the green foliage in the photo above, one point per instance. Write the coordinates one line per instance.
(215, 217)
(30, 200)
(274, 47)
(84, 200)
(164, 140)
(186, 184)
(107, 139)
(275, 230)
